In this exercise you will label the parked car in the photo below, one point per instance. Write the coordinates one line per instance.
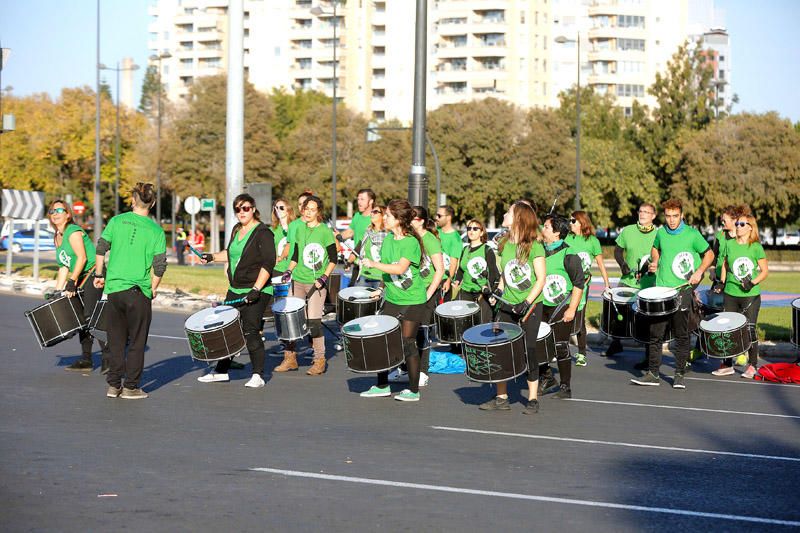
(787, 237)
(606, 233)
(24, 241)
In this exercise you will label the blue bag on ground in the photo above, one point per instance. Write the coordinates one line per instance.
(446, 363)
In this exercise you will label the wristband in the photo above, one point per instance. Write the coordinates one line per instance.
(99, 275)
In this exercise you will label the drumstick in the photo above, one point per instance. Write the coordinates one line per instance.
(560, 307)
(232, 303)
(529, 313)
(198, 254)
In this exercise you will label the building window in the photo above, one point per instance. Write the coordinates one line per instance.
(721, 59)
(630, 21)
(630, 44)
(379, 115)
(378, 73)
(721, 74)
(630, 90)
(492, 39)
(304, 63)
(628, 111)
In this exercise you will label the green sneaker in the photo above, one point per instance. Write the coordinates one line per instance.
(376, 392)
(580, 360)
(407, 396)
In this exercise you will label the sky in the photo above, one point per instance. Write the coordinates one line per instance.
(53, 45)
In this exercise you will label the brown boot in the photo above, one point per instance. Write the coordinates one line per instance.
(289, 362)
(318, 367)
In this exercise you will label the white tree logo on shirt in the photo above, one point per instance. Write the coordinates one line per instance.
(743, 267)
(65, 259)
(683, 265)
(446, 261)
(282, 246)
(404, 280)
(586, 260)
(476, 267)
(517, 276)
(375, 253)
(313, 255)
(555, 288)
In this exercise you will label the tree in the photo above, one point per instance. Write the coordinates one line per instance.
(290, 108)
(148, 102)
(600, 117)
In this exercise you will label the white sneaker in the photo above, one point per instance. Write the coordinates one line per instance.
(724, 371)
(398, 376)
(423, 379)
(213, 377)
(255, 382)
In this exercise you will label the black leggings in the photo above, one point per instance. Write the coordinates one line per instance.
(250, 315)
(749, 306)
(91, 295)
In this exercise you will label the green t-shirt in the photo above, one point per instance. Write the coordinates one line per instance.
(518, 278)
(235, 253)
(406, 288)
(135, 240)
(281, 242)
(451, 249)
(473, 265)
(680, 255)
(312, 257)
(558, 285)
(432, 247)
(371, 249)
(741, 261)
(587, 248)
(637, 247)
(66, 256)
(723, 239)
(359, 225)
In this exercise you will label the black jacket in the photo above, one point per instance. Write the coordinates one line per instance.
(258, 253)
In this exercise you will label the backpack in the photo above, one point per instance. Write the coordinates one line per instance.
(779, 373)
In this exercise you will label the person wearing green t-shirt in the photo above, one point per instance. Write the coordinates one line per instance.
(563, 289)
(136, 263)
(679, 258)
(404, 296)
(282, 219)
(744, 267)
(251, 261)
(451, 246)
(75, 255)
(582, 241)
(721, 238)
(370, 247)
(519, 294)
(310, 268)
(477, 274)
(632, 253)
(365, 203)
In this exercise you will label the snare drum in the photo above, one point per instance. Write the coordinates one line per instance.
(290, 318)
(725, 335)
(355, 302)
(215, 333)
(495, 352)
(372, 343)
(57, 320)
(657, 301)
(452, 319)
(279, 288)
(98, 323)
(796, 322)
(710, 302)
(545, 343)
(641, 324)
(617, 318)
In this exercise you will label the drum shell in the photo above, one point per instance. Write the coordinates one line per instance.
(98, 322)
(710, 302)
(450, 329)
(796, 322)
(546, 347)
(375, 353)
(216, 343)
(664, 307)
(724, 344)
(291, 325)
(610, 326)
(494, 363)
(57, 320)
(347, 310)
(334, 284)
(641, 323)
(281, 290)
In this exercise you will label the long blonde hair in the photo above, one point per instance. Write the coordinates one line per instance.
(751, 221)
(524, 228)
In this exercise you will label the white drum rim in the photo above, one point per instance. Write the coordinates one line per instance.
(197, 320)
(544, 330)
(507, 340)
(613, 297)
(361, 294)
(290, 304)
(665, 293)
(736, 321)
(370, 326)
(467, 307)
(796, 303)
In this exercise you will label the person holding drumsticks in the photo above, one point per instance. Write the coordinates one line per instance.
(137, 261)
(369, 246)
(583, 242)
(522, 268)
(564, 287)
(477, 274)
(405, 295)
(679, 258)
(744, 267)
(313, 260)
(251, 259)
(75, 255)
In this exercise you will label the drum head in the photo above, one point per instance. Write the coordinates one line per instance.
(494, 333)
(288, 305)
(370, 326)
(724, 322)
(220, 316)
(544, 330)
(796, 304)
(657, 293)
(457, 308)
(358, 293)
(623, 295)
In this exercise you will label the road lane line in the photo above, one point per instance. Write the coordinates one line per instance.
(609, 402)
(743, 382)
(167, 337)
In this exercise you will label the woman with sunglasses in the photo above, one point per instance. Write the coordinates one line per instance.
(477, 273)
(75, 256)
(282, 218)
(251, 258)
(583, 242)
(370, 247)
(313, 261)
(522, 268)
(744, 267)
(405, 295)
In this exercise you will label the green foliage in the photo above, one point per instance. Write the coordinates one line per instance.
(148, 102)
(290, 108)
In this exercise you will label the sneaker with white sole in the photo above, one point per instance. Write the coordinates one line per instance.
(407, 396)
(724, 371)
(133, 394)
(648, 379)
(113, 392)
(255, 382)
(376, 392)
(213, 377)
(423, 379)
(749, 372)
(398, 376)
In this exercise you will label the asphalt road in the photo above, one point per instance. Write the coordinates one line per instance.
(308, 454)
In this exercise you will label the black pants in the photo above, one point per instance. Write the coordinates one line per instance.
(91, 295)
(180, 250)
(486, 309)
(531, 329)
(749, 306)
(680, 329)
(250, 315)
(129, 315)
(561, 334)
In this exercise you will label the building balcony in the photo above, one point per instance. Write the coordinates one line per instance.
(614, 32)
(451, 76)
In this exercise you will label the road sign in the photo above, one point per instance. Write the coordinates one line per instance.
(208, 204)
(192, 205)
(79, 208)
(23, 204)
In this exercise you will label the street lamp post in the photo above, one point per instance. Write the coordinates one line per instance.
(159, 57)
(96, 207)
(317, 11)
(117, 136)
(561, 40)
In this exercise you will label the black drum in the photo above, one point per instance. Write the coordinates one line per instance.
(725, 335)
(657, 301)
(215, 333)
(545, 342)
(617, 318)
(642, 323)
(796, 322)
(355, 302)
(57, 320)
(452, 319)
(495, 352)
(98, 323)
(710, 302)
(372, 344)
(333, 286)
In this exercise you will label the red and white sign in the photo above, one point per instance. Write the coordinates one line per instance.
(78, 208)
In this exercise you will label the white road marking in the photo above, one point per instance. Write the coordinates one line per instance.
(167, 337)
(528, 497)
(744, 382)
(680, 408)
(617, 443)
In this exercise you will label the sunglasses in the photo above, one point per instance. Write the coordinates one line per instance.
(741, 224)
(376, 211)
(439, 215)
(473, 228)
(57, 210)
(573, 220)
(280, 207)
(243, 208)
